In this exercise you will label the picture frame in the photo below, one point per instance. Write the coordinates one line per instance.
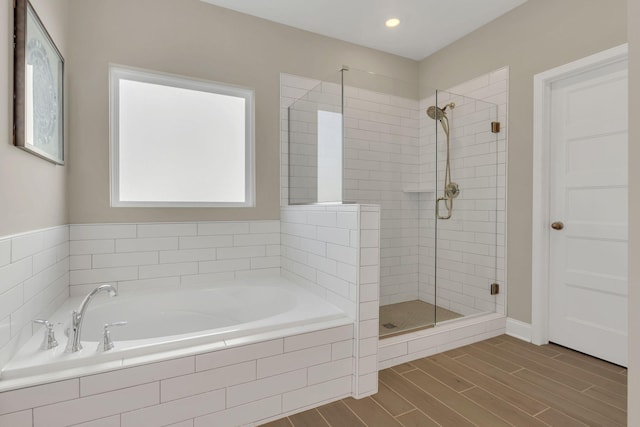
(38, 107)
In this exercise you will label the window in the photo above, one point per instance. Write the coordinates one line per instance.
(179, 142)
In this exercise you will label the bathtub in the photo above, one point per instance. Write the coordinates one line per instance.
(168, 323)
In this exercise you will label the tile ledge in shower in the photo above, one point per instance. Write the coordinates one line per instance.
(452, 334)
(414, 188)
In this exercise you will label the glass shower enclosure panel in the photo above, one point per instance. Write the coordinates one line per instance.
(315, 146)
(464, 205)
(429, 159)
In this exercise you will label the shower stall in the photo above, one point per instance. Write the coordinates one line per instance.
(430, 159)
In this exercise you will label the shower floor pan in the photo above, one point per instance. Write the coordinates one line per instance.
(410, 316)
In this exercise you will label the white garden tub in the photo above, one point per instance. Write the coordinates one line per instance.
(202, 318)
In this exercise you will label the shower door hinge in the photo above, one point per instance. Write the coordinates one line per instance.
(494, 289)
(495, 127)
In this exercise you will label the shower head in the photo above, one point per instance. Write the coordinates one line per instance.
(437, 113)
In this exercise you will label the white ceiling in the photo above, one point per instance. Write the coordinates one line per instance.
(426, 26)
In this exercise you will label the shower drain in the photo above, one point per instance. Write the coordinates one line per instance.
(389, 325)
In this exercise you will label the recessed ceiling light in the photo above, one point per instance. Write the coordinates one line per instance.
(393, 22)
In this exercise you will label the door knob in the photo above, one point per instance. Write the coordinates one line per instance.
(558, 225)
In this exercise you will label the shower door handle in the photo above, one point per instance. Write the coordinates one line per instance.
(438, 216)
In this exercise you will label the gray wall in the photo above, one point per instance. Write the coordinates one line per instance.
(196, 39)
(539, 35)
(32, 190)
(633, 16)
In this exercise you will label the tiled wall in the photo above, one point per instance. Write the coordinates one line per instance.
(333, 251)
(471, 244)
(380, 160)
(165, 255)
(34, 282)
(390, 148)
(225, 388)
(405, 348)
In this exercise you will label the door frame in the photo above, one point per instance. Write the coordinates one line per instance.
(540, 249)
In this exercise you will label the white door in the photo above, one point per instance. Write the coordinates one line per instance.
(588, 198)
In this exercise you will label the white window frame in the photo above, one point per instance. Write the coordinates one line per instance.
(119, 72)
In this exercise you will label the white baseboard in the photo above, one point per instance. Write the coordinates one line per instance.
(518, 329)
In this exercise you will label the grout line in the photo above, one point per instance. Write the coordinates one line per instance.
(544, 410)
(406, 412)
(588, 388)
(353, 412)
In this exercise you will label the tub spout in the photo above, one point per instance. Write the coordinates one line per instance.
(77, 317)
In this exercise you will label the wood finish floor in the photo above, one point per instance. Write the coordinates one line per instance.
(499, 382)
(411, 315)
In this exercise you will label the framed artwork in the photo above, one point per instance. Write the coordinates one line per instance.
(38, 87)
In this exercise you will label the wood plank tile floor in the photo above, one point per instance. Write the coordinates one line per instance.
(499, 382)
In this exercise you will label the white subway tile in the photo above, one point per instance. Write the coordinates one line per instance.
(347, 272)
(260, 273)
(329, 371)
(368, 346)
(81, 277)
(167, 270)
(175, 411)
(26, 245)
(5, 252)
(271, 386)
(96, 406)
(369, 238)
(369, 310)
(222, 227)
(343, 349)
(347, 220)
(102, 231)
(265, 262)
(123, 378)
(203, 381)
(369, 220)
(88, 247)
(15, 273)
(224, 265)
(279, 364)
(187, 255)
(273, 250)
(167, 230)
(242, 415)
(40, 281)
(112, 421)
(370, 274)
(240, 354)
(11, 300)
(339, 236)
(368, 328)
(367, 364)
(147, 244)
(333, 389)
(30, 397)
(392, 351)
(202, 242)
(241, 252)
(369, 256)
(367, 384)
(256, 239)
(342, 253)
(206, 279)
(149, 284)
(44, 259)
(17, 419)
(124, 260)
(314, 339)
(261, 227)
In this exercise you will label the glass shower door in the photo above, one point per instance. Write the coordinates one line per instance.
(465, 205)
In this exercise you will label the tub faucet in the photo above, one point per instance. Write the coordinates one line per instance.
(73, 343)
